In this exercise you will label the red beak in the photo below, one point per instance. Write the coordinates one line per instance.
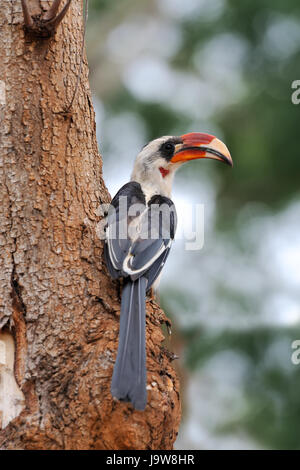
(198, 145)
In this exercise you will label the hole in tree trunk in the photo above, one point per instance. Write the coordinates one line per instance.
(12, 400)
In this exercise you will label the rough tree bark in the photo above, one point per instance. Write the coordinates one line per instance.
(59, 310)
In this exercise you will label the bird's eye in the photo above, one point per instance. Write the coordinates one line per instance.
(168, 149)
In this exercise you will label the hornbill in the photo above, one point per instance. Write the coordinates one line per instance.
(141, 225)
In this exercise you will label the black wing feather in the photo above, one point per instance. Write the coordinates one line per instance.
(154, 233)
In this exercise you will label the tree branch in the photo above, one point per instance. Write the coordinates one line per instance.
(44, 26)
(54, 21)
(51, 13)
(27, 17)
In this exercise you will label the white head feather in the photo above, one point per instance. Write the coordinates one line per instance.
(146, 170)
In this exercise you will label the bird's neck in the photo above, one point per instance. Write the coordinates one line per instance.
(154, 185)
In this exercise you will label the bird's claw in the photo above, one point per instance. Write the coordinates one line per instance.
(173, 357)
(168, 325)
(44, 25)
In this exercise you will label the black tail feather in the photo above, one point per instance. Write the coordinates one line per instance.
(129, 376)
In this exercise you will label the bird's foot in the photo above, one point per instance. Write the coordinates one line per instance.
(153, 298)
(151, 294)
(44, 25)
(169, 326)
(170, 354)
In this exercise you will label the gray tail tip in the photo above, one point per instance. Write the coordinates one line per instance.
(139, 403)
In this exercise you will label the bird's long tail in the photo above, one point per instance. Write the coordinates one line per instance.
(129, 376)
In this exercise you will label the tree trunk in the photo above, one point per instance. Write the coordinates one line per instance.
(59, 310)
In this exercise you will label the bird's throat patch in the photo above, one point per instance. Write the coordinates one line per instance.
(163, 171)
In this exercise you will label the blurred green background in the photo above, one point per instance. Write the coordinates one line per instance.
(167, 67)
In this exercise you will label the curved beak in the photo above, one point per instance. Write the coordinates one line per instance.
(197, 145)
